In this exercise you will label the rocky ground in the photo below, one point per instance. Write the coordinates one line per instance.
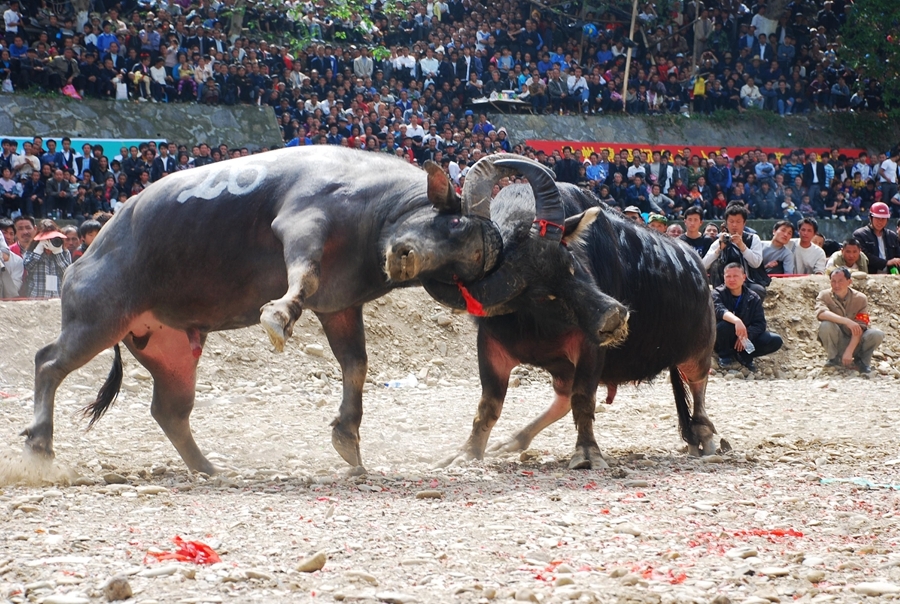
(801, 509)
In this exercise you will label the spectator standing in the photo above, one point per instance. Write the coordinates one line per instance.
(46, 261)
(844, 329)
(12, 272)
(778, 258)
(697, 241)
(744, 248)
(887, 179)
(880, 244)
(809, 258)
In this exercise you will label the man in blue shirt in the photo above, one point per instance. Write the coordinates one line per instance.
(108, 37)
(18, 48)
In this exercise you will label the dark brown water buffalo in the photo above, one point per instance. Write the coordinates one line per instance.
(258, 240)
(671, 322)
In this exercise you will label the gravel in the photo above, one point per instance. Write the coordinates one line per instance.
(760, 525)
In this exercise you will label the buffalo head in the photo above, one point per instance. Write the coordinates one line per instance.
(447, 243)
(539, 269)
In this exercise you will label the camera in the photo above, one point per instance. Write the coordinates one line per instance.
(57, 241)
(726, 237)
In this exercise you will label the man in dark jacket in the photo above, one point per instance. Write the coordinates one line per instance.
(880, 245)
(740, 322)
(813, 175)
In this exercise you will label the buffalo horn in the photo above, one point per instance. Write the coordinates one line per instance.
(550, 215)
(480, 181)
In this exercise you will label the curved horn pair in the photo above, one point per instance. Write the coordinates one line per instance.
(506, 283)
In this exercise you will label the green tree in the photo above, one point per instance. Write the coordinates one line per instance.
(871, 44)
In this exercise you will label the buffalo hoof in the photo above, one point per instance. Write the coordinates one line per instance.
(459, 458)
(346, 444)
(274, 323)
(41, 447)
(516, 444)
(204, 467)
(587, 458)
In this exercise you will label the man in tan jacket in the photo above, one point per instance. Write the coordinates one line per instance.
(844, 324)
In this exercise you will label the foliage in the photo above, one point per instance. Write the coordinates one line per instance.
(346, 17)
(871, 44)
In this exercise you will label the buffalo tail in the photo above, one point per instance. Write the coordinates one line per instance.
(108, 392)
(685, 421)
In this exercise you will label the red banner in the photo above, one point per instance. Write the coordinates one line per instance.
(587, 148)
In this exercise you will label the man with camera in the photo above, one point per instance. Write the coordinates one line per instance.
(46, 261)
(734, 245)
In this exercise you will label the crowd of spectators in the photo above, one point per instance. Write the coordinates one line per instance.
(829, 185)
(441, 55)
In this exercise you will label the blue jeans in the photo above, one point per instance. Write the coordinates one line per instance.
(784, 108)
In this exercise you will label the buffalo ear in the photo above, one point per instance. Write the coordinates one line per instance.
(577, 226)
(440, 190)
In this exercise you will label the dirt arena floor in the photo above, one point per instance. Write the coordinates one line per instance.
(805, 508)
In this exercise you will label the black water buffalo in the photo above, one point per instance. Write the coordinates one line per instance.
(671, 322)
(217, 247)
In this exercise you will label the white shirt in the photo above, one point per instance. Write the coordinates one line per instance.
(632, 170)
(576, 83)
(809, 260)
(12, 20)
(158, 75)
(415, 131)
(763, 25)
(890, 171)
(429, 65)
(753, 254)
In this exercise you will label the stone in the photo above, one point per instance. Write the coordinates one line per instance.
(159, 571)
(117, 588)
(560, 581)
(151, 489)
(876, 588)
(258, 574)
(392, 597)
(630, 579)
(113, 478)
(815, 576)
(65, 599)
(774, 571)
(526, 595)
(741, 552)
(628, 529)
(361, 574)
(636, 483)
(312, 563)
(429, 494)
(721, 599)
(314, 350)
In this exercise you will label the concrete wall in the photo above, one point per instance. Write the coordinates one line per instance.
(239, 126)
(844, 130)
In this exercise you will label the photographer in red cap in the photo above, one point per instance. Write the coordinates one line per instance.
(880, 245)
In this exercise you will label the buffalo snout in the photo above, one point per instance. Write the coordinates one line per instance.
(403, 263)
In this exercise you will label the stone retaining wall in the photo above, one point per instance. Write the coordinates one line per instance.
(238, 126)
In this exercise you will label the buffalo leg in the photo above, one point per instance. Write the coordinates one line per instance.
(584, 393)
(347, 337)
(494, 367)
(696, 373)
(562, 403)
(170, 359)
(78, 343)
(303, 237)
